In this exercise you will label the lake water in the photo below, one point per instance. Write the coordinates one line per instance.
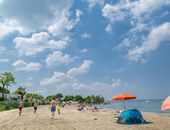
(142, 105)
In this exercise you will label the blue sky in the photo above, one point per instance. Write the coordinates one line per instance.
(87, 46)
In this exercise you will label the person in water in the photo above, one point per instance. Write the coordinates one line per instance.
(52, 107)
(20, 108)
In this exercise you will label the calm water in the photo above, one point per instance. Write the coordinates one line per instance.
(142, 105)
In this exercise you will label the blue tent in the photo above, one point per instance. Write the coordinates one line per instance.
(132, 116)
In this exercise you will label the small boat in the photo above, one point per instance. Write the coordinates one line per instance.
(147, 101)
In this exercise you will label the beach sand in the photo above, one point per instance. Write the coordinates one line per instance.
(71, 119)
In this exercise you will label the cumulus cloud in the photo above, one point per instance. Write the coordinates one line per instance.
(33, 45)
(84, 50)
(124, 8)
(38, 42)
(156, 36)
(83, 69)
(60, 44)
(147, 6)
(36, 18)
(56, 78)
(21, 65)
(108, 28)
(68, 76)
(58, 58)
(78, 15)
(92, 3)
(10, 26)
(86, 35)
(61, 25)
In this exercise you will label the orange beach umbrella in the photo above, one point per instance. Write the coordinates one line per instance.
(124, 96)
(166, 104)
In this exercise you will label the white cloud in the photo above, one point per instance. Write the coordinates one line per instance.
(126, 43)
(156, 36)
(21, 65)
(115, 12)
(33, 45)
(78, 15)
(62, 78)
(92, 3)
(39, 42)
(4, 60)
(86, 35)
(139, 27)
(56, 78)
(36, 18)
(84, 50)
(10, 26)
(108, 28)
(119, 11)
(117, 83)
(147, 6)
(58, 58)
(60, 44)
(61, 25)
(83, 69)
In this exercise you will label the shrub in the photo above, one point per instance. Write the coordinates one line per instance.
(1, 99)
(15, 104)
(6, 105)
(27, 104)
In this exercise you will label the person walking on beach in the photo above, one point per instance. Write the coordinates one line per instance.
(35, 107)
(20, 108)
(58, 107)
(52, 107)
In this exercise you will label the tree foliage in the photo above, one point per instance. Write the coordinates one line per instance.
(6, 79)
(21, 91)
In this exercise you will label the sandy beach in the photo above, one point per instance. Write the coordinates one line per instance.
(71, 119)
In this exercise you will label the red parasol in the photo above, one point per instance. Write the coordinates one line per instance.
(124, 96)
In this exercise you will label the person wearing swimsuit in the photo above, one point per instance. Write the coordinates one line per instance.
(52, 107)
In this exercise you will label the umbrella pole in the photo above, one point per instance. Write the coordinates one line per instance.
(124, 104)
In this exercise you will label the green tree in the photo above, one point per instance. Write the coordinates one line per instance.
(88, 99)
(79, 98)
(6, 80)
(50, 97)
(21, 91)
(69, 98)
(59, 96)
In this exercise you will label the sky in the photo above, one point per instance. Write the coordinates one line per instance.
(100, 47)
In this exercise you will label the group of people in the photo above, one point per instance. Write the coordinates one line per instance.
(54, 105)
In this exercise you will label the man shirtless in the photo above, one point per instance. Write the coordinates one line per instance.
(53, 104)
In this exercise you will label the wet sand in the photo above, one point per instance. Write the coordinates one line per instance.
(71, 119)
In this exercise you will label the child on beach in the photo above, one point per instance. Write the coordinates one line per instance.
(20, 108)
(58, 108)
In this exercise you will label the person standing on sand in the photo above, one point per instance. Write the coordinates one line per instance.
(20, 108)
(52, 107)
(35, 107)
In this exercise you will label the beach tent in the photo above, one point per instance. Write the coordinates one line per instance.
(131, 116)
